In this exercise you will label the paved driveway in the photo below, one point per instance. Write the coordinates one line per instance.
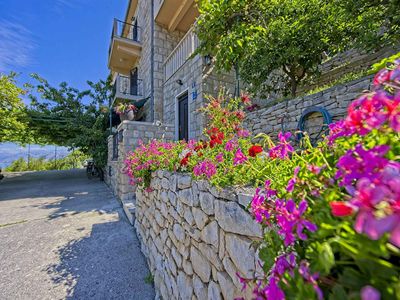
(63, 236)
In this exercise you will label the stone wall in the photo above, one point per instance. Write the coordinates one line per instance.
(130, 133)
(196, 238)
(336, 100)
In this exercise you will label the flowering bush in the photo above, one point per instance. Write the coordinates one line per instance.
(123, 108)
(332, 211)
(335, 222)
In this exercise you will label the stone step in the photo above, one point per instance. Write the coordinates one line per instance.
(129, 209)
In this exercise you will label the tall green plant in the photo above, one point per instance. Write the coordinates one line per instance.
(13, 124)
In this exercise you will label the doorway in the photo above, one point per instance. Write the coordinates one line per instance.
(183, 117)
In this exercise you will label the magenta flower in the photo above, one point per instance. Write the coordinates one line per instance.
(258, 208)
(231, 145)
(239, 157)
(243, 133)
(206, 168)
(219, 157)
(304, 271)
(283, 149)
(370, 293)
(292, 181)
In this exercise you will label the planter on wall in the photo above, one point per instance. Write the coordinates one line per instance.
(127, 116)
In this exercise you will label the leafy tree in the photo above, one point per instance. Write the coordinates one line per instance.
(68, 117)
(13, 125)
(374, 23)
(271, 41)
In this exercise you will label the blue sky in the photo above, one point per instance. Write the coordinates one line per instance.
(61, 40)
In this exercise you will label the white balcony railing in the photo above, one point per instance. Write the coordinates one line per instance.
(181, 53)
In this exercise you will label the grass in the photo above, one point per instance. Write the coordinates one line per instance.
(149, 279)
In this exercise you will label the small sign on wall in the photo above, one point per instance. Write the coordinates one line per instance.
(194, 91)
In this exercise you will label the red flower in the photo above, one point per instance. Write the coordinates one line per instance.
(185, 160)
(254, 150)
(341, 209)
(245, 99)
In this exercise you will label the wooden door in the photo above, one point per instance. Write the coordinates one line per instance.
(183, 117)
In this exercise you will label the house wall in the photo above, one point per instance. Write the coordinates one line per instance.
(335, 100)
(164, 43)
(199, 80)
(132, 133)
(196, 238)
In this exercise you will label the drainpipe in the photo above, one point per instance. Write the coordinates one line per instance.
(237, 75)
(152, 113)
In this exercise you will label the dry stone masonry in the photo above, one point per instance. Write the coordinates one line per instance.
(196, 237)
(285, 116)
(129, 134)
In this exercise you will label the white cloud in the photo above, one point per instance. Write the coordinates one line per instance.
(16, 46)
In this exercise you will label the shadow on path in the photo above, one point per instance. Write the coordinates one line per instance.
(107, 264)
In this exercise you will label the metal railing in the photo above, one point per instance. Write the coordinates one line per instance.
(126, 30)
(181, 53)
(127, 86)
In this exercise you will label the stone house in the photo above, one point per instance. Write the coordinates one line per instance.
(150, 59)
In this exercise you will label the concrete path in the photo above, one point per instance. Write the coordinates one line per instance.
(63, 236)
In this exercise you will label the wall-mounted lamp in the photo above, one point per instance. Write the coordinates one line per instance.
(207, 60)
(179, 81)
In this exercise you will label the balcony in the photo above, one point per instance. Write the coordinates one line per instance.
(125, 48)
(181, 53)
(126, 88)
(175, 14)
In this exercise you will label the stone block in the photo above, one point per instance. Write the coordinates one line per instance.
(207, 202)
(214, 291)
(242, 253)
(209, 234)
(184, 284)
(232, 218)
(200, 264)
(200, 217)
(199, 288)
(184, 181)
(186, 196)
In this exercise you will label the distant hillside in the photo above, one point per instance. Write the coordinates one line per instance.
(10, 152)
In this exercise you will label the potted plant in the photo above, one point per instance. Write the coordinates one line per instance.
(126, 111)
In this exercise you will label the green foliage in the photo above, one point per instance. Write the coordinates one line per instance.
(262, 37)
(13, 123)
(73, 160)
(68, 117)
(275, 40)
(384, 63)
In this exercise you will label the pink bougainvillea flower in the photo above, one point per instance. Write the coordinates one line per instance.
(239, 157)
(370, 293)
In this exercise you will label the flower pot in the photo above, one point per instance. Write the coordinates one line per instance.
(127, 116)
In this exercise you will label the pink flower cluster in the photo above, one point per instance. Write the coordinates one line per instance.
(206, 168)
(373, 181)
(284, 147)
(373, 110)
(287, 215)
